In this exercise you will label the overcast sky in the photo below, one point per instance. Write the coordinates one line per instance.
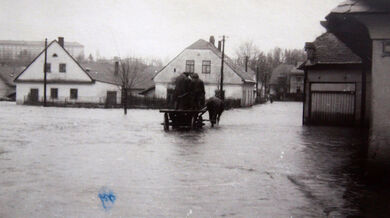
(163, 28)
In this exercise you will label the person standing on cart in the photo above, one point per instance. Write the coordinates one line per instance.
(197, 92)
(182, 92)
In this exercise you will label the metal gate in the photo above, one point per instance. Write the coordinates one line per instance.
(332, 104)
(332, 107)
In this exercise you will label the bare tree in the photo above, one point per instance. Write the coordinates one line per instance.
(129, 73)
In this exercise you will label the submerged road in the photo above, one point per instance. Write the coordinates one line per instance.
(260, 162)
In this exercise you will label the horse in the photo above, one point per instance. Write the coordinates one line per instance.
(215, 107)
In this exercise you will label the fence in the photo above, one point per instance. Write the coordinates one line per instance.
(102, 102)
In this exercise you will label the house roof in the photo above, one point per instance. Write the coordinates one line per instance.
(362, 6)
(240, 71)
(43, 50)
(330, 50)
(280, 71)
(9, 73)
(104, 72)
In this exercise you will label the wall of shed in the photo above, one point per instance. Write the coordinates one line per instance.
(334, 74)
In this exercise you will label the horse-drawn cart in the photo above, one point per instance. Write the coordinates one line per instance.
(183, 119)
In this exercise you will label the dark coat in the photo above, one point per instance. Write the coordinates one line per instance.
(197, 93)
(182, 92)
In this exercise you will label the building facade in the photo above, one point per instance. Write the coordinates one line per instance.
(67, 81)
(286, 82)
(12, 49)
(203, 58)
(333, 83)
(364, 26)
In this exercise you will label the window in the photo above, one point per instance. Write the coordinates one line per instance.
(53, 93)
(48, 67)
(190, 66)
(62, 68)
(386, 48)
(206, 66)
(73, 93)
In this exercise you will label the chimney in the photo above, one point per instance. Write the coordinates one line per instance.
(219, 45)
(116, 71)
(212, 40)
(61, 41)
(310, 51)
(246, 63)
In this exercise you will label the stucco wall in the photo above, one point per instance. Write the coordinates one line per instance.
(231, 91)
(337, 74)
(380, 95)
(179, 63)
(378, 26)
(90, 93)
(73, 70)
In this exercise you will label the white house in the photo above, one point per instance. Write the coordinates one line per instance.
(204, 58)
(67, 80)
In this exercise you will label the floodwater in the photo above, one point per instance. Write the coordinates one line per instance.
(260, 162)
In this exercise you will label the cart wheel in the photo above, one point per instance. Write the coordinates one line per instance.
(166, 122)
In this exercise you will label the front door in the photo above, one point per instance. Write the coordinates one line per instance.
(34, 95)
(111, 98)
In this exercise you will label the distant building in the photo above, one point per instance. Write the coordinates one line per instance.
(203, 58)
(67, 80)
(286, 82)
(333, 83)
(12, 49)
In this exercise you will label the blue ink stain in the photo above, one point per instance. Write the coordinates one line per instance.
(107, 197)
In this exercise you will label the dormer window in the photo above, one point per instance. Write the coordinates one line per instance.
(55, 55)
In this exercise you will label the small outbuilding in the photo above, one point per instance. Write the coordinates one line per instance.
(333, 83)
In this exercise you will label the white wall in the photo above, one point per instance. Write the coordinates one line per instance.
(73, 71)
(87, 93)
(198, 55)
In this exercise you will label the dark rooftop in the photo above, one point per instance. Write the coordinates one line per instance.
(330, 50)
(9, 73)
(104, 72)
(362, 6)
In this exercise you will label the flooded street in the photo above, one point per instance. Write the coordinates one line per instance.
(260, 162)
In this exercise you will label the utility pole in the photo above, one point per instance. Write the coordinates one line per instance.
(45, 75)
(222, 61)
(257, 82)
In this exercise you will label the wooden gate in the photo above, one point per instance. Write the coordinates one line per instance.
(332, 107)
